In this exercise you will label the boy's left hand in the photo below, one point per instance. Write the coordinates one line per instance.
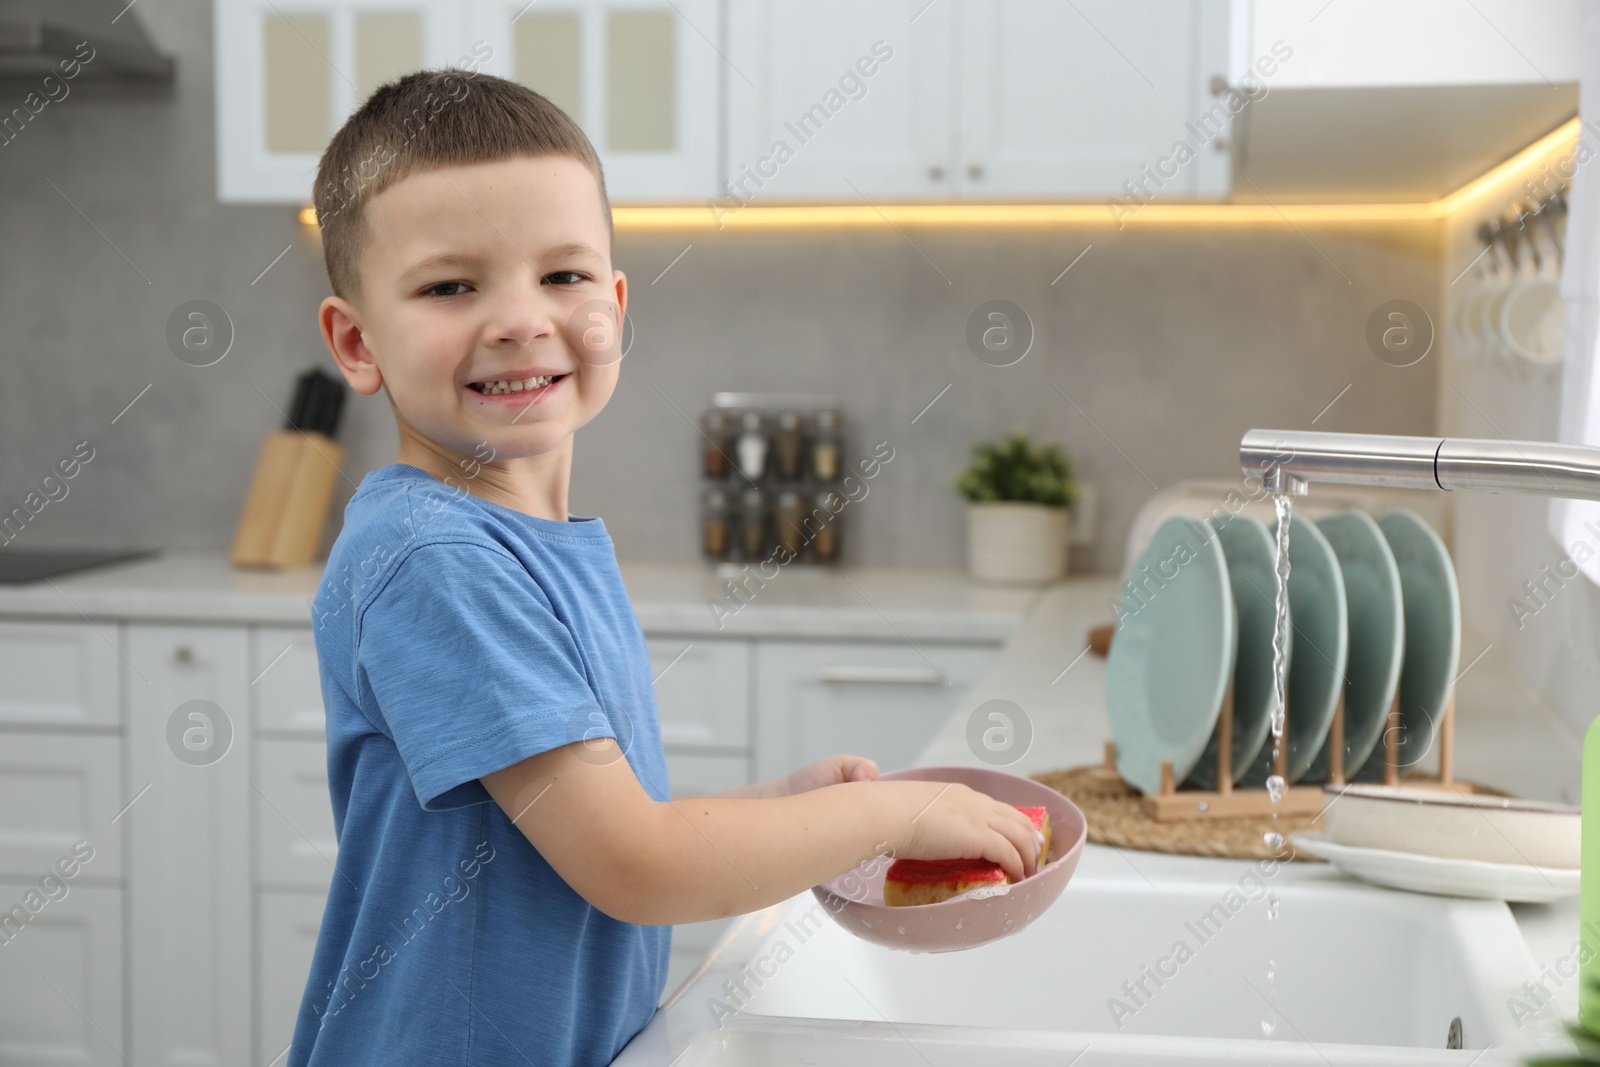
(831, 770)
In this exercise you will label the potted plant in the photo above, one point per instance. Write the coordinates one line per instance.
(1018, 496)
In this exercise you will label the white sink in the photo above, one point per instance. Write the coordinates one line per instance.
(1360, 975)
(1352, 966)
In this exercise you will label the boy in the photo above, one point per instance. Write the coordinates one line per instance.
(509, 856)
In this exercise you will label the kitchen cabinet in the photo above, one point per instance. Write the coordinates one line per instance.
(62, 977)
(188, 838)
(640, 77)
(286, 934)
(993, 99)
(884, 700)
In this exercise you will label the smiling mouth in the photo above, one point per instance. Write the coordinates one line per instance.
(515, 385)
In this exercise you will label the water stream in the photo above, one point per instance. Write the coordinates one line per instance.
(1275, 782)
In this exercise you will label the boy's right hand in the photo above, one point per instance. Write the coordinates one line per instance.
(947, 820)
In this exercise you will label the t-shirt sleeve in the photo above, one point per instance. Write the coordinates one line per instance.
(471, 670)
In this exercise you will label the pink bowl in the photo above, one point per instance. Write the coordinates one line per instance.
(855, 898)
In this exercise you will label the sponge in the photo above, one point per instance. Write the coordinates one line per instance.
(910, 882)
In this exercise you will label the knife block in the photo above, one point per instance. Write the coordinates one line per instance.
(284, 512)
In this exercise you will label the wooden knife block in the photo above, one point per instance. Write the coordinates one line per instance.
(284, 512)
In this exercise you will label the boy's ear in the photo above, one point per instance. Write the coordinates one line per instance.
(619, 282)
(342, 334)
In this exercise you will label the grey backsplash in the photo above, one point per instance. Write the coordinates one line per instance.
(1153, 354)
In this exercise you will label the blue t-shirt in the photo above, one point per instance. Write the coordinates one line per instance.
(456, 637)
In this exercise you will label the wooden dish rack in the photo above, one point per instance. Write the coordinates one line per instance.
(1225, 801)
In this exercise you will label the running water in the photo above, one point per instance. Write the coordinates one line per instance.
(1275, 782)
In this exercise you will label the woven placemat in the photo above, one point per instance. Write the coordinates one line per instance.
(1111, 808)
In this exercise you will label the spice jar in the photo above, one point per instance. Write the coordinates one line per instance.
(788, 446)
(788, 520)
(826, 544)
(716, 526)
(752, 446)
(716, 429)
(753, 524)
(826, 446)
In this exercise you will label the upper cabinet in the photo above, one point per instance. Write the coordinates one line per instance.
(640, 77)
(962, 98)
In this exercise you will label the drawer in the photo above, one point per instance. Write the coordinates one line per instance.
(286, 931)
(55, 791)
(691, 774)
(285, 681)
(877, 699)
(59, 674)
(295, 842)
(702, 691)
(75, 944)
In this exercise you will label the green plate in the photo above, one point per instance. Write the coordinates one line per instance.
(1172, 655)
(1319, 615)
(1432, 607)
(1250, 553)
(1377, 635)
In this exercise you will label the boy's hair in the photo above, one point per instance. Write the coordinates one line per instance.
(432, 118)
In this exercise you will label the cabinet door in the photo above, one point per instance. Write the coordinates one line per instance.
(289, 74)
(59, 674)
(285, 683)
(837, 98)
(693, 774)
(640, 77)
(702, 691)
(1074, 99)
(57, 791)
(62, 977)
(295, 842)
(875, 699)
(188, 837)
(287, 925)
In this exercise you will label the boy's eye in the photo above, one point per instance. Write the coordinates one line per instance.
(446, 287)
(565, 277)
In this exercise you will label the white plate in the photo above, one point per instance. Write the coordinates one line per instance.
(1514, 882)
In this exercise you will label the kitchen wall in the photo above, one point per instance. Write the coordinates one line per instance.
(1154, 352)
(1502, 541)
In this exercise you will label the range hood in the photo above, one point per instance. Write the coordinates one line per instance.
(37, 35)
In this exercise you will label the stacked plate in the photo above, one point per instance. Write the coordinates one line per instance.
(1373, 610)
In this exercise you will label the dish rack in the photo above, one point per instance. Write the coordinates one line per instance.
(1226, 801)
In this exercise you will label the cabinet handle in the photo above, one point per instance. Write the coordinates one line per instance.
(1219, 85)
(936, 172)
(883, 675)
(183, 654)
(974, 170)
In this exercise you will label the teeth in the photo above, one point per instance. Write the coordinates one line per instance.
(515, 385)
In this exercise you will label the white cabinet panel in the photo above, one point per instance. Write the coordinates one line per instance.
(287, 925)
(875, 699)
(804, 120)
(693, 774)
(55, 792)
(59, 674)
(188, 856)
(702, 690)
(295, 842)
(1076, 99)
(62, 980)
(287, 686)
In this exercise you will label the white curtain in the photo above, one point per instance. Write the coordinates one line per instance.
(1572, 521)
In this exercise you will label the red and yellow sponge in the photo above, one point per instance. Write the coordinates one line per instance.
(911, 882)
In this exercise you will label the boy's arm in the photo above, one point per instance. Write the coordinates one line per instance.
(658, 862)
(829, 771)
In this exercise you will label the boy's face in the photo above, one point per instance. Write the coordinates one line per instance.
(479, 275)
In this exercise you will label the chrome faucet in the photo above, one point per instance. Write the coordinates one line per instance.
(1289, 460)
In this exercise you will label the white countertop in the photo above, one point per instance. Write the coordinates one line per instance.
(867, 603)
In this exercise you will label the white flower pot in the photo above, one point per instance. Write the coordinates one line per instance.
(1016, 542)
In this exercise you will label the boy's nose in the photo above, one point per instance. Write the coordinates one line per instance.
(521, 319)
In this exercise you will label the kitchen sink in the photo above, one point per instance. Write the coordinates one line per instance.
(1175, 968)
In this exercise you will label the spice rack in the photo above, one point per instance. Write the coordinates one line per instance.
(1172, 805)
(770, 470)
